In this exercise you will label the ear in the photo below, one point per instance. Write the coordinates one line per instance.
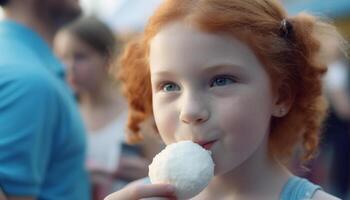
(283, 101)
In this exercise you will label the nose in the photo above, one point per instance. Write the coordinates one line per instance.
(194, 110)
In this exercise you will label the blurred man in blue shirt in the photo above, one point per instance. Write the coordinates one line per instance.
(42, 144)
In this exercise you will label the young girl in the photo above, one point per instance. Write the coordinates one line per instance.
(238, 77)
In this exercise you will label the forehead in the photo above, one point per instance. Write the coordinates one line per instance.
(180, 44)
(65, 40)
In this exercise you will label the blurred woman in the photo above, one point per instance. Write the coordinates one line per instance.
(87, 47)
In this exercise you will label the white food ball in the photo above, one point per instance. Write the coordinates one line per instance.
(186, 165)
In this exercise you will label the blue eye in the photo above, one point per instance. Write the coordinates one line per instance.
(222, 81)
(170, 87)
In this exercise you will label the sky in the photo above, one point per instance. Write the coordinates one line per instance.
(121, 15)
(101, 6)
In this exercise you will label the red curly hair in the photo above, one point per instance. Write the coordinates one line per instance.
(290, 54)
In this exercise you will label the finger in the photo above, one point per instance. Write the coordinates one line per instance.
(143, 191)
(160, 198)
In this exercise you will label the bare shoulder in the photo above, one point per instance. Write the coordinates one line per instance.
(321, 195)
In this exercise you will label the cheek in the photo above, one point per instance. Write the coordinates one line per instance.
(245, 119)
(243, 125)
(97, 66)
(87, 71)
(166, 119)
(81, 71)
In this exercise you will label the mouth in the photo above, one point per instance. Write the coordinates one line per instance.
(207, 145)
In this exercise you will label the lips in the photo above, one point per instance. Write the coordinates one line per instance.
(206, 144)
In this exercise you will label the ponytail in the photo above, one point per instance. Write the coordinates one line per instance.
(135, 78)
(307, 38)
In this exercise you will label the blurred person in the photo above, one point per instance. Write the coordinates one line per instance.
(337, 79)
(331, 168)
(42, 140)
(336, 142)
(88, 46)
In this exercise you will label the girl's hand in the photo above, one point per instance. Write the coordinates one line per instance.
(136, 192)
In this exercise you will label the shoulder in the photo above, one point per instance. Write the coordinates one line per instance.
(25, 78)
(25, 89)
(17, 53)
(321, 195)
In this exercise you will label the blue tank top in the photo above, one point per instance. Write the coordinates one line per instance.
(298, 189)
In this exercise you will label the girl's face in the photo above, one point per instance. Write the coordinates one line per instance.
(86, 68)
(211, 89)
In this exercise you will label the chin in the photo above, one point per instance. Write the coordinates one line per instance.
(224, 166)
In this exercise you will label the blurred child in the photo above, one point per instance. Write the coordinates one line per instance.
(240, 78)
(87, 47)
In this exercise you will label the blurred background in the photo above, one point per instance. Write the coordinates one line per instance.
(125, 16)
(131, 15)
(331, 169)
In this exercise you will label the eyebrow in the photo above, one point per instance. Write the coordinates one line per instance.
(221, 67)
(163, 73)
(207, 70)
